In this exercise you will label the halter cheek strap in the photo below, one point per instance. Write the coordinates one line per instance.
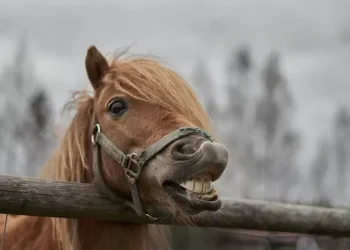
(132, 163)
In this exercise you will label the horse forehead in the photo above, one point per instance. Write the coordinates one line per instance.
(105, 93)
(143, 110)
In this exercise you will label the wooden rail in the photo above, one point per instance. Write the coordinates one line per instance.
(36, 197)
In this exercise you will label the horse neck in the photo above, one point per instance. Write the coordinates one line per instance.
(26, 232)
(106, 235)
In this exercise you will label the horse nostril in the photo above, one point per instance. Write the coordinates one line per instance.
(184, 148)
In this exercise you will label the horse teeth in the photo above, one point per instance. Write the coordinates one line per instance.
(199, 185)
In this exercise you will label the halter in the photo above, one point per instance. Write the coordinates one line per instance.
(132, 163)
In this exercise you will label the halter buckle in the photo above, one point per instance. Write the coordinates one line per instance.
(132, 167)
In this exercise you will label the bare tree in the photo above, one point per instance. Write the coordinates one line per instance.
(24, 115)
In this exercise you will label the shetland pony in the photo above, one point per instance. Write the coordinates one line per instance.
(135, 102)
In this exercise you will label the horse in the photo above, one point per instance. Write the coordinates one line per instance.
(140, 134)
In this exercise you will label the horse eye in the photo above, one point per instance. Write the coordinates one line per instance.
(117, 107)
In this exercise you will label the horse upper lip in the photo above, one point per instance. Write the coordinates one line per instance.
(210, 160)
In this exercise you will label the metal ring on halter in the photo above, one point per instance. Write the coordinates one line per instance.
(151, 217)
(95, 130)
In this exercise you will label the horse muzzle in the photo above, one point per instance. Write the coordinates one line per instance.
(197, 163)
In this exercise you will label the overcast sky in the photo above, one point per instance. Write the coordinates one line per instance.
(313, 37)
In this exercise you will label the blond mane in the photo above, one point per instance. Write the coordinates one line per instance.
(150, 81)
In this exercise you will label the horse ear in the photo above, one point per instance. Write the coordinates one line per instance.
(96, 66)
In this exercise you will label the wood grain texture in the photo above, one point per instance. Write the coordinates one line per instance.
(36, 197)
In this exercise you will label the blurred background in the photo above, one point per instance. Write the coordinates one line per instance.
(274, 76)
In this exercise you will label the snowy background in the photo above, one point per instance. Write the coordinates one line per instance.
(254, 55)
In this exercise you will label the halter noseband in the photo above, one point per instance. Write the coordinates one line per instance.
(132, 163)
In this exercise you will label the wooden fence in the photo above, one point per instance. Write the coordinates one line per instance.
(36, 197)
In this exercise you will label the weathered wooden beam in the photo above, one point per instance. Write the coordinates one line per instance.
(36, 197)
